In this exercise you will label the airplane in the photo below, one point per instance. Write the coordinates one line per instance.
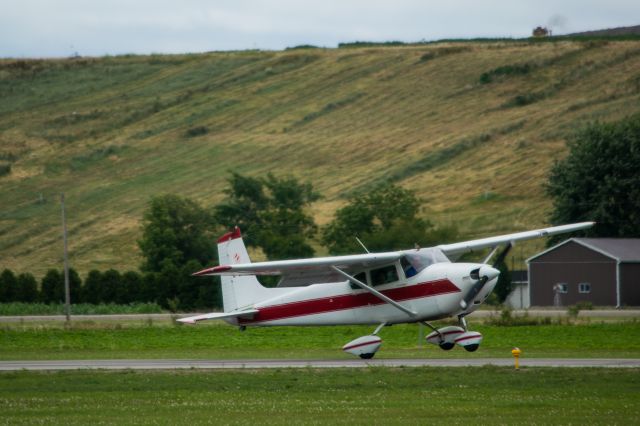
(409, 286)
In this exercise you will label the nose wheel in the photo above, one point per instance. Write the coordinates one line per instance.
(447, 337)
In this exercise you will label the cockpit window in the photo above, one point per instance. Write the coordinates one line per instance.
(385, 275)
(407, 267)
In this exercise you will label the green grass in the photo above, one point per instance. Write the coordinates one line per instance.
(486, 395)
(90, 340)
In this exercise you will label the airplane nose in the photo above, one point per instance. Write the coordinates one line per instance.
(489, 272)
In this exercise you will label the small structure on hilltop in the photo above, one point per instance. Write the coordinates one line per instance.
(541, 32)
(601, 271)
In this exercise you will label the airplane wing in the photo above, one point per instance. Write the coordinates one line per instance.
(322, 268)
(288, 267)
(468, 246)
(219, 315)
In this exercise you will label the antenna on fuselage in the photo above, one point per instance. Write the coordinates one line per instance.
(363, 246)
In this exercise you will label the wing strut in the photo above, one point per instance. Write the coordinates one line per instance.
(374, 292)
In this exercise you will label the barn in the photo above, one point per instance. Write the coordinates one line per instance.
(603, 271)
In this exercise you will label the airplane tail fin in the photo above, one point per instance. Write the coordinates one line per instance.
(242, 291)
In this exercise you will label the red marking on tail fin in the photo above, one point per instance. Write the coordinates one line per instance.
(230, 235)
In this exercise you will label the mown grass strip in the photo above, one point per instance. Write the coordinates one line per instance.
(486, 395)
(89, 340)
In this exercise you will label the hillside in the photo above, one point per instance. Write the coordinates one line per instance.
(609, 32)
(112, 132)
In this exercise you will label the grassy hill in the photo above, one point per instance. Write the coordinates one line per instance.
(472, 127)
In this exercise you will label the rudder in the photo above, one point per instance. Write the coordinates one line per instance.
(241, 291)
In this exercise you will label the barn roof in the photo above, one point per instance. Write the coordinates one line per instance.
(621, 249)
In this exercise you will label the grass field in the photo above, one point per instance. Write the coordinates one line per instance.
(486, 395)
(112, 132)
(215, 341)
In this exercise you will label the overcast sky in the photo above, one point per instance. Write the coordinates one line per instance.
(48, 28)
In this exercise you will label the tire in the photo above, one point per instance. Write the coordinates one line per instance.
(367, 356)
(446, 346)
(472, 348)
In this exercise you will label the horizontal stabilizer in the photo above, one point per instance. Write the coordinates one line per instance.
(219, 315)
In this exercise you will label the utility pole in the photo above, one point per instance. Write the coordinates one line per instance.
(67, 293)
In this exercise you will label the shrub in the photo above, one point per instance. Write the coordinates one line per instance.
(505, 70)
(197, 131)
(5, 169)
(524, 99)
(507, 319)
(574, 310)
(427, 56)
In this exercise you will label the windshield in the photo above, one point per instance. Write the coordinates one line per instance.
(420, 259)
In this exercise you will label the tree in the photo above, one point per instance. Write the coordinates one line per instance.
(599, 180)
(384, 219)
(92, 290)
(111, 287)
(166, 285)
(8, 286)
(270, 211)
(188, 286)
(148, 292)
(132, 287)
(175, 229)
(27, 288)
(52, 287)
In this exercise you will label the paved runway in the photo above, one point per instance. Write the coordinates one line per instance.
(167, 364)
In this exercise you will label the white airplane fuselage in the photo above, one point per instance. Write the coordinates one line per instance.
(435, 292)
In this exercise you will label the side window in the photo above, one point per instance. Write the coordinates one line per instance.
(561, 288)
(362, 277)
(385, 275)
(584, 288)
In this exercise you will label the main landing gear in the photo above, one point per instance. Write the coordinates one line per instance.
(366, 346)
(448, 337)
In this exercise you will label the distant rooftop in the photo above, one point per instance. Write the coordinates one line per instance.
(620, 249)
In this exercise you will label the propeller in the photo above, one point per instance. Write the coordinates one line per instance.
(484, 274)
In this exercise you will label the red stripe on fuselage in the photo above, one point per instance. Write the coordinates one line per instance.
(350, 301)
(359, 345)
